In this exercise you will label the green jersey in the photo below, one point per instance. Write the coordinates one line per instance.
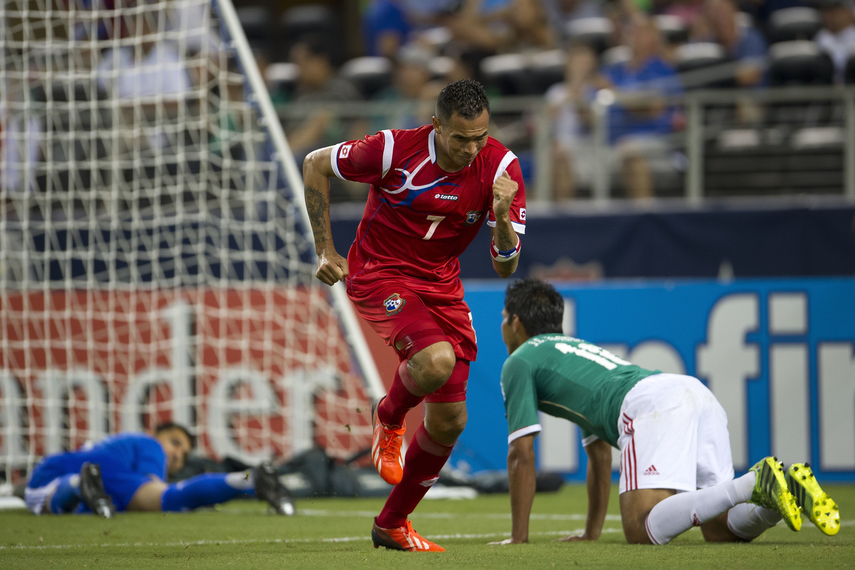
(569, 378)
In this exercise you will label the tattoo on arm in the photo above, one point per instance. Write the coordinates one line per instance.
(504, 239)
(317, 204)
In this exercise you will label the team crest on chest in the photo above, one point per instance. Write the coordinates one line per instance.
(472, 216)
(394, 304)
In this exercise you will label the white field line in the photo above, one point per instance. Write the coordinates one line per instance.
(489, 516)
(190, 543)
(360, 514)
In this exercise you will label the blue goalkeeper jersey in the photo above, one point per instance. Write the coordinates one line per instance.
(127, 461)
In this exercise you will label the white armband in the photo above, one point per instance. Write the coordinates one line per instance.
(503, 256)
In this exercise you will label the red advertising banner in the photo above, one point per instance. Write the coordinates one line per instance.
(255, 373)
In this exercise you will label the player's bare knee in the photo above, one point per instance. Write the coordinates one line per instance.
(432, 367)
(637, 534)
(455, 425)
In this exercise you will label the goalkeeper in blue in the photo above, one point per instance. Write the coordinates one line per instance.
(676, 470)
(127, 472)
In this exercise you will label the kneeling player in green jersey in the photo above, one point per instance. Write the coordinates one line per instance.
(676, 470)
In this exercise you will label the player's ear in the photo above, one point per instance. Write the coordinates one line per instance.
(437, 126)
(517, 325)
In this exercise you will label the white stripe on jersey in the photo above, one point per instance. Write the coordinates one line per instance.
(388, 147)
(432, 146)
(504, 164)
(334, 160)
(519, 228)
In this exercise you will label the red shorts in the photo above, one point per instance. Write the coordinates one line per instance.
(410, 321)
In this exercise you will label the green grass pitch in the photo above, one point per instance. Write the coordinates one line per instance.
(334, 533)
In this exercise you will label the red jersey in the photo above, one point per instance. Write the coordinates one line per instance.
(418, 218)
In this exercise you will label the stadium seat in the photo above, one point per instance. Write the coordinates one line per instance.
(596, 32)
(849, 73)
(257, 24)
(436, 38)
(507, 72)
(547, 69)
(282, 77)
(615, 55)
(738, 139)
(440, 66)
(707, 56)
(788, 24)
(817, 137)
(799, 62)
(672, 28)
(300, 21)
(370, 74)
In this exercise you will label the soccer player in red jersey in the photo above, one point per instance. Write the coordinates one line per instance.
(431, 189)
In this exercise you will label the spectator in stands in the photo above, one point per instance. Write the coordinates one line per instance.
(517, 25)
(411, 81)
(743, 43)
(385, 27)
(838, 36)
(148, 73)
(318, 83)
(569, 107)
(639, 124)
(687, 10)
(559, 13)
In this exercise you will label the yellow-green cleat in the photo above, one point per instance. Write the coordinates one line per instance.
(771, 491)
(817, 505)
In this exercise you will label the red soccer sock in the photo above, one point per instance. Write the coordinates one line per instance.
(424, 460)
(404, 395)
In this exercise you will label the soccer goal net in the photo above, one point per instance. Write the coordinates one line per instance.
(155, 263)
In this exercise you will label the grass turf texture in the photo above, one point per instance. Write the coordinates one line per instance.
(334, 533)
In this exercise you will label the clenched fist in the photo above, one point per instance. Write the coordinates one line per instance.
(504, 190)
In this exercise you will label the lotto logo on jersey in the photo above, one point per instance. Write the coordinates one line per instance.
(522, 214)
(394, 304)
(345, 150)
(472, 217)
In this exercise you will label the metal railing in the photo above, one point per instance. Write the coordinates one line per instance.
(525, 125)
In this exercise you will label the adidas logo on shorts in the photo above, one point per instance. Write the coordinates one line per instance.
(651, 471)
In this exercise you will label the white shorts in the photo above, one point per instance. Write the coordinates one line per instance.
(672, 435)
(35, 498)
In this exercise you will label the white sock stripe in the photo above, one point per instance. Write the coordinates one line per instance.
(649, 533)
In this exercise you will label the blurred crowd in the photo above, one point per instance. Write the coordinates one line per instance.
(646, 52)
(636, 57)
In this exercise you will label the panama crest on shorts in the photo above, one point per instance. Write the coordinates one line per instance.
(394, 304)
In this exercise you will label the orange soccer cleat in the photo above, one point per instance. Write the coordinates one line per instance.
(386, 448)
(402, 538)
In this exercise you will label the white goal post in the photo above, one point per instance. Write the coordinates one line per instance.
(156, 259)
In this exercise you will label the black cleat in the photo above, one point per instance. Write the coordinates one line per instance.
(92, 491)
(269, 488)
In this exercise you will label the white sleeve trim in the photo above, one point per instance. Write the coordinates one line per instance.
(589, 440)
(504, 164)
(524, 431)
(334, 160)
(388, 147)
(519, 228)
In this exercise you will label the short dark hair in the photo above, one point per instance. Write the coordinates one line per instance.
(539, 307)
(166, 426)
(466, 98)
